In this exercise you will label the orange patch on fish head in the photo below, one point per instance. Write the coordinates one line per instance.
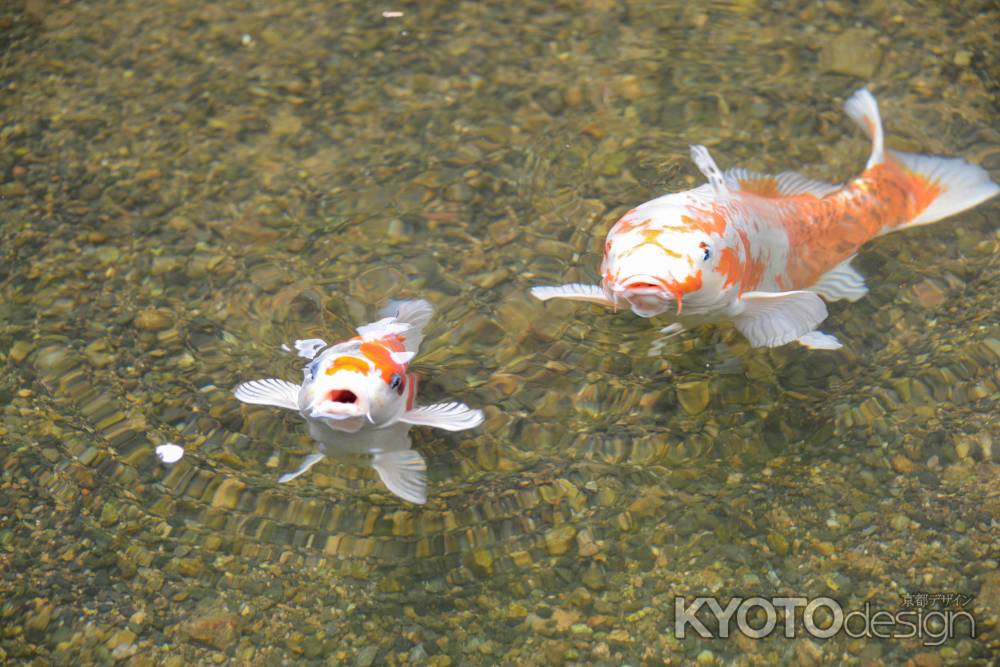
(347, 363)
(628, 223)
(380, 354)
(691, 283)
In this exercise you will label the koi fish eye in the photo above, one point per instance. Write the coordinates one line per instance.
(396, 383)
(708, 251)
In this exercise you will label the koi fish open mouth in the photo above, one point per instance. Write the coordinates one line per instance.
(342, 396)
(338, 405)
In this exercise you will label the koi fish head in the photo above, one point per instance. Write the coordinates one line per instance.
(357, 383)
(657, 265)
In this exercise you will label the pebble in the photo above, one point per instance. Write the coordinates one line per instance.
(216, 628)
(853, 52)
(808, 653)
(693, 396)
(38, 620)
(963, 58)
(121, 638)
(928, 293)
(20, 350)
(558, 540)
(366, 656)
(903, 465)
(778, 543)
(705, 657)
(153, 319)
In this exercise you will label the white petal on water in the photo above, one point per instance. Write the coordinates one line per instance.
(170, 453)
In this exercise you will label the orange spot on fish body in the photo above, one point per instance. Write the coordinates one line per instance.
(763, 186)
(348, 364)
(822, 233)
(730, 266)
(753, 270)
(709, 221)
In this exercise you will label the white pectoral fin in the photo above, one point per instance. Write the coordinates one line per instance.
(449, 416)
(770, 319)
(817, 340)
(279, 393)
(573, 292)
(307, 463)
(404, 473)
(841, 282)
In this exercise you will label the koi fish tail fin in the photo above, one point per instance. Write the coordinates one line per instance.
(863, 110)
(942, 187)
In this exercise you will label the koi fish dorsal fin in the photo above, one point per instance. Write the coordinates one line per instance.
(863, 110)
(785, 184)
(706, 165)
(405, 319)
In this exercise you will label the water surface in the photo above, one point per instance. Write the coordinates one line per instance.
(187, 186)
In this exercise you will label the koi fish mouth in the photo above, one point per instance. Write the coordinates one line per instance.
(647, 296)
(338, 405)
(342, 396)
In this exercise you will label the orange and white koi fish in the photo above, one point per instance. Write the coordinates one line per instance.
(760, 250)
(358, 398)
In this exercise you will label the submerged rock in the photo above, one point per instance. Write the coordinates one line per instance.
(853, 52)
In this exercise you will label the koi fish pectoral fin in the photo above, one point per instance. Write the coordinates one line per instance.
(404, 473)
(817, 340)
(841, 282)
(307, 463)
(573, 292)
(274, 392)
(448, 416)
(770, 319)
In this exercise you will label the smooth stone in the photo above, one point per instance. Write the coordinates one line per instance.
(693, 396)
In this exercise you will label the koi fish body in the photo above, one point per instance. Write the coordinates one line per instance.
(761, 250)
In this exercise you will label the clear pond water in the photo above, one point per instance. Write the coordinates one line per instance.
(186, 186)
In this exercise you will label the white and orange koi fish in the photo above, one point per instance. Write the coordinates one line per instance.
(358, 398)
(760, 250)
